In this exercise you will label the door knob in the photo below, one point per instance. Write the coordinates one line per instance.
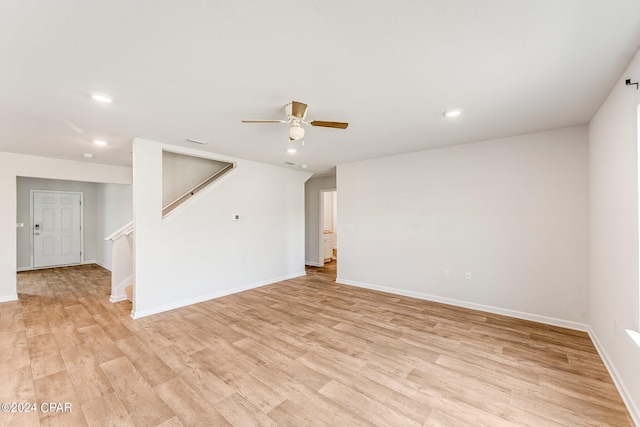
(37, 234)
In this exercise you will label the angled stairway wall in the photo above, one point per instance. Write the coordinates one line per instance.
(184, 176)
(203, 253)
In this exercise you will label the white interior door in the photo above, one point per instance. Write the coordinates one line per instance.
(57, 232)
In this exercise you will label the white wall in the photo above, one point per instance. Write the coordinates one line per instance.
(199, 252)
(114, 210)
(312, 216)
(14, 165)
(613, 231)
(25, 185)
(512, 211)
(334, 215)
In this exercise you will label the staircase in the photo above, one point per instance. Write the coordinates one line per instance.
(121, 262)
(175, 168)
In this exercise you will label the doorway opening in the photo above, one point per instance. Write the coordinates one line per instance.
(328, 250)
(636, 337)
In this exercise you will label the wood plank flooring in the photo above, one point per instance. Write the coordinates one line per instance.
(304, 352)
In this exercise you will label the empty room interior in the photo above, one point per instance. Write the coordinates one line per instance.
(417, 213)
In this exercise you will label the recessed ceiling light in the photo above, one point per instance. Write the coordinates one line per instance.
(87, 155)
(454, 112)
(195, 141)
(303, 166)
(102, 97)
(99, 142)
(291, 150)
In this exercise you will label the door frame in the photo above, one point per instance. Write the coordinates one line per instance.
(321, 225)
(31, 216)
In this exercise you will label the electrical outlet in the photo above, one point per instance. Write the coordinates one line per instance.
(446, 274)
(467, 275)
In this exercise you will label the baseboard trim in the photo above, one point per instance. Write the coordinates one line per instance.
(117, 298)
(52, 266)
(481, 307)
(30, 268)
(137, 314)
(633, 409)
(103, 266)
(117, 292)
(312, 264)
(8, 298)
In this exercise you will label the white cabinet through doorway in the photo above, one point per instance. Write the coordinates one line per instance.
(328, 244)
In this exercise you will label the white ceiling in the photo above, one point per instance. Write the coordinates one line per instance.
(194, 69)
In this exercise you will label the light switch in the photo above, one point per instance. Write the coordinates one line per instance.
(20, 225)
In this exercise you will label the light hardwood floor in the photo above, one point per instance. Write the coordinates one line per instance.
(305, 352)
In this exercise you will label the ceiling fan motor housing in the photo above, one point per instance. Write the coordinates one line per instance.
(296, 113)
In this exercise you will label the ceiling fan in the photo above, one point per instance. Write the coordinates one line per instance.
(296, 113)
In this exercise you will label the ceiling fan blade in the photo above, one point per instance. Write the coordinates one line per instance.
(337, 125)
(298, 109)
(265, 121)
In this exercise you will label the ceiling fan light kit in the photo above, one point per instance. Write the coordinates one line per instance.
(296, 131)
(296, 114)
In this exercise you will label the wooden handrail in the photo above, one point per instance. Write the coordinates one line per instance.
(186, 196)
